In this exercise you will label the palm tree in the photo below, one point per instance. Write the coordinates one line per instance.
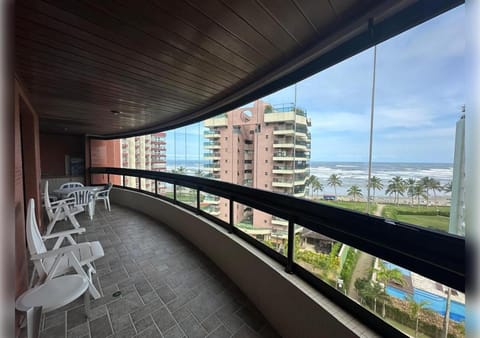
(415, 309)
(396, 186)
(448, 187)
(410, 184)
(375, 184)
(312, 180)
(354, 191)
(180, 170)
(419, 191)
(317, 186)
(386, 275)
(434, 185)
(368, 290)
(335, 181)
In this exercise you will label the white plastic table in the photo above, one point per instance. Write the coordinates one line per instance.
(51, 295)
(63, 193)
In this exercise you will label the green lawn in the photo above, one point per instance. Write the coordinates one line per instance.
(434, 222)
(356, 206)
(429, 217)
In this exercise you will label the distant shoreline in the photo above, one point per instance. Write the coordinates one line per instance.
(438, 201)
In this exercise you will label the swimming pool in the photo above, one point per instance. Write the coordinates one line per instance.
(435, 303)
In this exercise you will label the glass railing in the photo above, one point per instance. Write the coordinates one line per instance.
(335, 250)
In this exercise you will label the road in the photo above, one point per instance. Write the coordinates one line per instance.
(364, 264)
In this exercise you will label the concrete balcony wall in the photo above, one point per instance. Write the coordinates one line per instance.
(293, 307)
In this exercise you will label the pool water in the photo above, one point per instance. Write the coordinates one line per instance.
(435, 303)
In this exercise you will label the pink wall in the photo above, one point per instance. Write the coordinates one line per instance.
(54, 148)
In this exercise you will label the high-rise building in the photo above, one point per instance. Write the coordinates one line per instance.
(147, 152)
(262, 146)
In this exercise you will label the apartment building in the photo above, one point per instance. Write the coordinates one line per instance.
(262, 146)
(146, 152)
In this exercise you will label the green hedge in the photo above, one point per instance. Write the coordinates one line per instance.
(348, 266)
(392, 212)
(405, 319)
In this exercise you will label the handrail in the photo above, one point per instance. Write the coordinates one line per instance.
(433, 254)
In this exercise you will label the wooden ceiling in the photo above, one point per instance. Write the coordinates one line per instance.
(161, 63)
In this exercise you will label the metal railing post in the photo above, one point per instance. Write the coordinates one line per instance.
(198, 200)
(108, 178)
(156, 187)
(175, 192)
(123, 181)
(139, 183)
(291, 244)
(232, 225)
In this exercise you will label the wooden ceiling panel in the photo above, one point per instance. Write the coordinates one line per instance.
(291, 20)
(164, 63)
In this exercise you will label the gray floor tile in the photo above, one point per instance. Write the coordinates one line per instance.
(192, 328)
(79, 331)
(100, 328)
(76, 317)
(163, 319)
(54, 332)
(220, 332)
(174, 332)
(150, 332)
(211, 323)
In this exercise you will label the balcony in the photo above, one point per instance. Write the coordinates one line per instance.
(275, 117)
(211, 156)
(221, 121)
(211, 134)
(211, 145)
(167, 288)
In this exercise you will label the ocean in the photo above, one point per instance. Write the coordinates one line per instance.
(357, 173)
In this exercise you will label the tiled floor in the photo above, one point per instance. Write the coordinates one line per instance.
(168, 288)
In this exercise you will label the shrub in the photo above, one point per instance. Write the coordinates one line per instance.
(348, 266)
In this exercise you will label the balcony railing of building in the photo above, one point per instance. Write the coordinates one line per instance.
(285, 108)
(211, 143)
(442, 260)
(212, 134)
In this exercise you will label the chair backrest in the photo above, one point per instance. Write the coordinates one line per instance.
(34, 238)
(71, 185)
(105, 191)
(82, 196)
(46, 201)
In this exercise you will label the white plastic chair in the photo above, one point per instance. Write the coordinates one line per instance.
(71, 185)
(105, 196)
(60, 260)
(60, 210)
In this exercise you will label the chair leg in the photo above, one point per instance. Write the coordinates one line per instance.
(73, 220)
(108, 202)
(86, 302)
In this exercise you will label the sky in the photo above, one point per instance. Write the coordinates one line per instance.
(420, 89)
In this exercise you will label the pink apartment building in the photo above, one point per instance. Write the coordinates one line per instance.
(265, 147)
(147, 152)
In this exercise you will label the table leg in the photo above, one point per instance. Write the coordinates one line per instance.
(91, 209)
(33, 322)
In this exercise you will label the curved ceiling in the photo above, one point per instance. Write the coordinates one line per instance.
(121, 68)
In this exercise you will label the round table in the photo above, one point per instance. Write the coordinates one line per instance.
(51, 295)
